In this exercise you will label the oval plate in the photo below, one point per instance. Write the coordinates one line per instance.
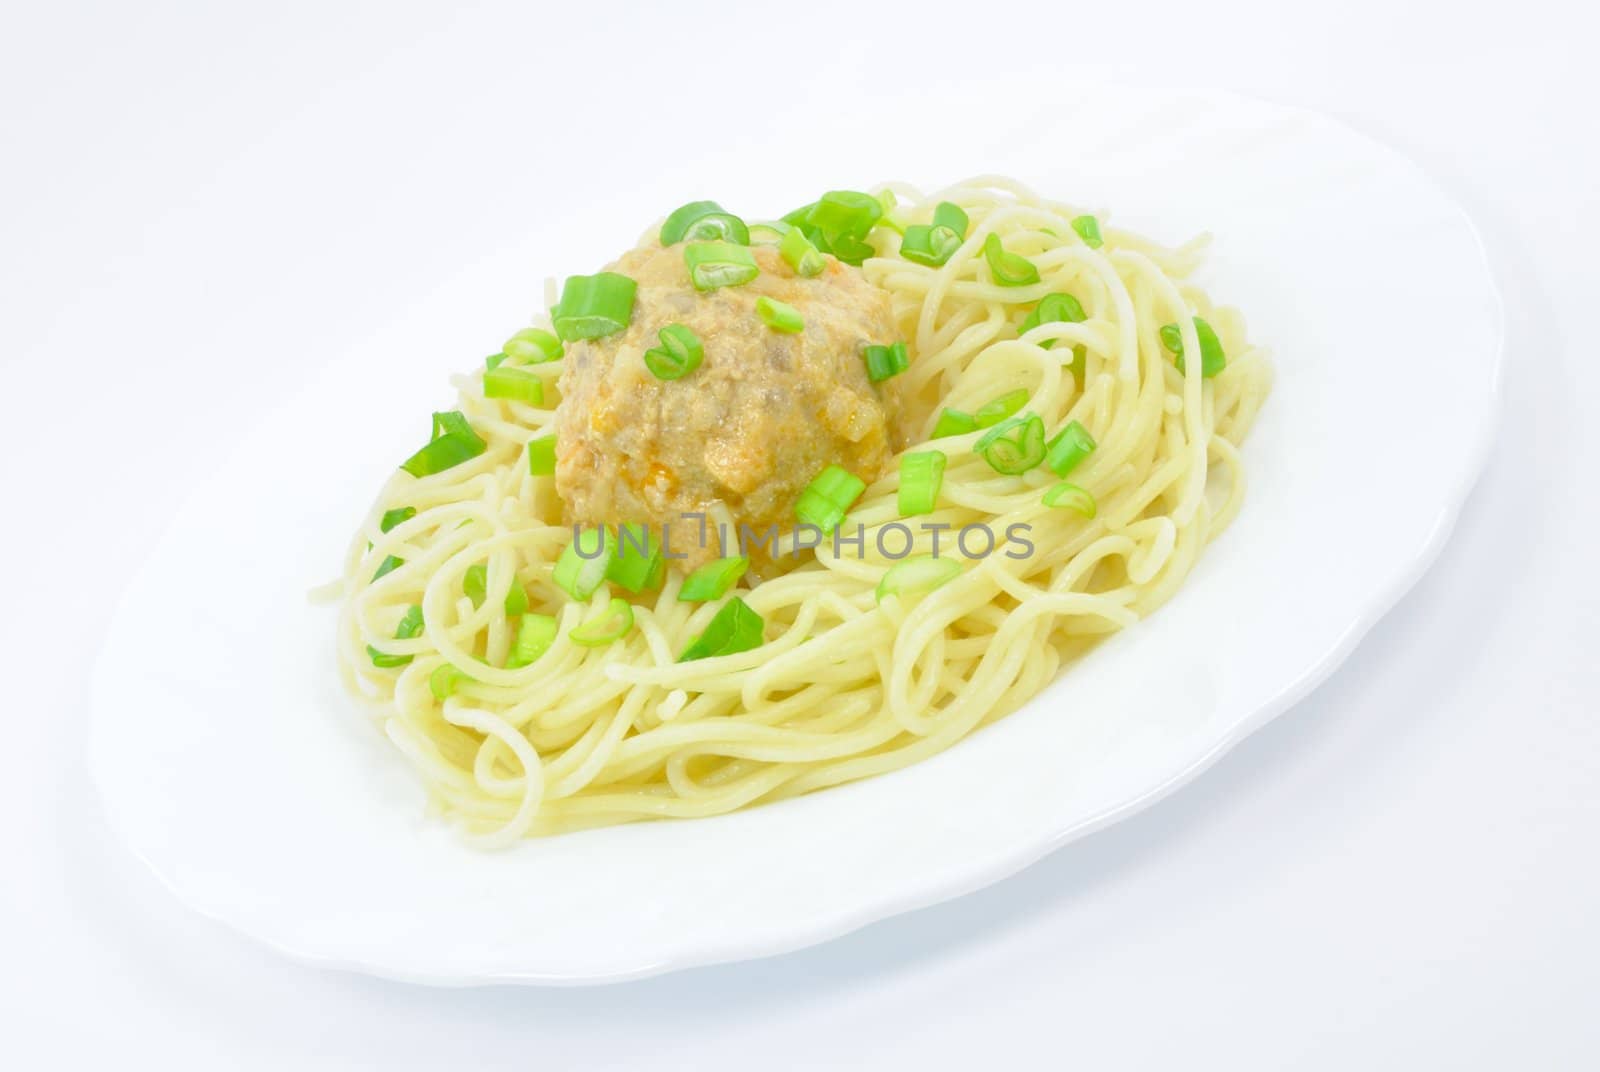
(263, 797)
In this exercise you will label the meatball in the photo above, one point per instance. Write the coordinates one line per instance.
(763, 414)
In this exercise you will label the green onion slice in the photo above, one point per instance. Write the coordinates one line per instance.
(779, 316)
(768, 232)
(1013, 446)
(927, 245)
(1212, 359)
(886, 361)
(996, 410)
(514, 384)
(679, 354)
(676, 225)
(532, 346)
(637, 563)
(388, 565)
(409, 628)
(475, 586)
(921, 476)
(850, 249)
(542, 455)
(1008, 269)
(845, 212)
(397, 516)
(712, 580)
(453, 442)
(798, 252)
(535, 634)
(951, 217)
(444, 679)
(1053, 309)
(1072, 497)
(582, 567)
(609, 625)
(1070, 446)
(828, 498)
(594, 306)
(735, 628)
(921, 573)
(719, 264)
(1088, 229)
(953, 422)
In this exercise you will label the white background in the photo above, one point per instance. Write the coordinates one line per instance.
(200, 202)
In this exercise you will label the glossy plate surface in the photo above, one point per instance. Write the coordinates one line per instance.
(263, 798)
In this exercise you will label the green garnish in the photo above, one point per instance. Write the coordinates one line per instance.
(410, 627)
(921, 476)
(582, 567)
(1008, 269)
(828, 498)
(514, 384)
(998, 409)
(1013, 446)
(921, 573)
(719, 264)
(475, 586)
(1070, 446)
(542, 455)
(1072, 497)
(532, 346)
(954, 422)
(921, 246)
(594, 306)
(798, 253)
(712, 580)
(397, 516)
(703, 221)
(535, 634)
(609, 625)
(444, 679)
(733, 629)
(453, 442)
(637, 563)
(886, 361)
(679, 354)
(1053, 309)
(1212, 359)
(388, 565)
(779, 316)
(1088, 229)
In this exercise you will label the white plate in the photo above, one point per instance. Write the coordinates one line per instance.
(235, 767)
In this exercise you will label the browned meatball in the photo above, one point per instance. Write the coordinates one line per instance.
(763, 414)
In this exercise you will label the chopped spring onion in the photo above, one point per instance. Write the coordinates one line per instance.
(397, 516)
(533, 346)
(593, 306)
(494, 360)
(1008, 269)
(921, 475)
(955, 422)
(923, 245)
(1053, 309)
(638, 562)
(475, 585)
(886, 361)
(1072, 497)
(703, 220)
(679, 354)
(582, 567)
(850, 249)
(517, 385)
(845, 212)
(1013, 446)
(735, 628)
(827, 498)
(444, 679)
(388, 565)
(998, 409)
(798, 252)
(922, 573)
(1070, 446)
(712, 580)
(542, 456)
(719, 264)
(453, 442)
(949, 216)
(779, 316)
(1212, 359)
(1088, 229)
(410, 627)
(611, 624)
(535, 634)
(768, 232)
